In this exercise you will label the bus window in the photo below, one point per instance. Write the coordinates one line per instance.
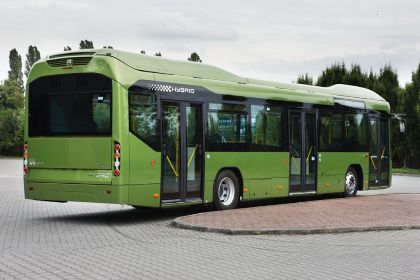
(68, 105)
(266, 127)
(143, 118)
(331, 132)
(227, 128)
(355, 130)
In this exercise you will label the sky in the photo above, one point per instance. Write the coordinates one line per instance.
(267, 39)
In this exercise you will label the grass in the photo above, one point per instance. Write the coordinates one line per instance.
(405, 171)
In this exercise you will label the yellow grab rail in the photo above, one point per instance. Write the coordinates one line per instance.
(383, 152)
(309, 153)
(173, 168)
(192, 155)
(373, 163)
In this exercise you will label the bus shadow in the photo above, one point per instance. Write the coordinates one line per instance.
(127, 215)
(145, 215)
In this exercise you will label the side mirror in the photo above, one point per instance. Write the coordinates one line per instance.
(402, 126)
(401, 120)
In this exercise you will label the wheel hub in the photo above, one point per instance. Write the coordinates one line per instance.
(351, 183)
(226, 191)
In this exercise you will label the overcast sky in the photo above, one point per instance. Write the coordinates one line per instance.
(273, 39)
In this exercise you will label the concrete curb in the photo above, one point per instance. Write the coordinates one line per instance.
(178, 223)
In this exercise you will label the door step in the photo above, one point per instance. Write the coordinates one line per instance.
(302, 193)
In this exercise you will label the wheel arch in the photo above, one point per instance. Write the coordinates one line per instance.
(238, 174)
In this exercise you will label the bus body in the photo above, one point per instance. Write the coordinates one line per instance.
(114, 127)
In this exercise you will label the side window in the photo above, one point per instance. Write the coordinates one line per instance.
(143, 118)
(266, 127)
(227, 127)
(355, 129)
(331, 134)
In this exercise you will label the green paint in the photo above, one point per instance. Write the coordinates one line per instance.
(76, 192)
(142, 195)
(332, 167)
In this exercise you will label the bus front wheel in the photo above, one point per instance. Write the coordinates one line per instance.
(351, 182)
(226, 190)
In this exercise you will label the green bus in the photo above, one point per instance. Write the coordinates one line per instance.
(116, 127)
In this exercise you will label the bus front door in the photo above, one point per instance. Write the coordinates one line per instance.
(303, 152)
(379, 161)
(182, 149)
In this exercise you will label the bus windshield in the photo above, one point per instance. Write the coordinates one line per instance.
(67, 105)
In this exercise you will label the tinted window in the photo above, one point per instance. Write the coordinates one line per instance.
(143, 118)
(343, 132)
(75, 104)
(266, 127)
(355, 130)
(331, 134)
(227, 127)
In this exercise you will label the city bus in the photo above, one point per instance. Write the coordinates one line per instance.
(109, 126)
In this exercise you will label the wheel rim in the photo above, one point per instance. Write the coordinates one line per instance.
(351, 183)
(226, 191)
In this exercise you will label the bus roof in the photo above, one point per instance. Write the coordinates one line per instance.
(211, 76)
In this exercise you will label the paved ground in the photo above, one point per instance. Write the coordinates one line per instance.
(44, 240)
(402, 211)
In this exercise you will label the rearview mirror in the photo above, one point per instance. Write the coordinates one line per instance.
(402, 126)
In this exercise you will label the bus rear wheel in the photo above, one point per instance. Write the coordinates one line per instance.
(226, 190)
(351, 182)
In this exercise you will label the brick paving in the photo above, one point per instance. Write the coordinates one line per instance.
(45, 240)
(379, 212)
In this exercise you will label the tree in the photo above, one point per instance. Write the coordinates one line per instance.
(332, 75)
(304, 79)
(15, 72)
(67, 49)
(86, 44)
(411, 108)
(371, 80)
(354, 76)
(142, 52)
(194, 57)
(11, 131)
(32, 56)
(158, 54)
(388, 86)
(11, 96)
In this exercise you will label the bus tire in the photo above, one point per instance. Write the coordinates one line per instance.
(351, 181)
(226, 190)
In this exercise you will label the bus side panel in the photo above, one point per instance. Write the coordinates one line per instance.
(254, 167)
(120, 131)
(76, 192)
(332, 167)
(145, 167)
